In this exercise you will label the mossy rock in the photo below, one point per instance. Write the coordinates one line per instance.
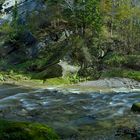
(136, 107)
(25, 131)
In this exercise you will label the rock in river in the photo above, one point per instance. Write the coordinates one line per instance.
(136, 107)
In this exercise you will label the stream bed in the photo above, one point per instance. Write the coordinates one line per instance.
(73, 114)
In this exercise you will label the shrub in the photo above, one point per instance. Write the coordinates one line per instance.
(133, 61)
(115, 60)
(125, 73)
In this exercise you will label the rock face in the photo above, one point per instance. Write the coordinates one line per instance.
(15, 50)
(24, 7)
(113, 83)
(136, 107)
(25, 46)
(27, 38)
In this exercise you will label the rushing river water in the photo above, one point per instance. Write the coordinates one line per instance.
(74, 115)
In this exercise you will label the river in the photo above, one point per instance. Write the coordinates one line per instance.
(75, 115)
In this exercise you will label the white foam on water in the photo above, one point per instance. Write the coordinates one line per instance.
(125, 90)
(113, 104)
(16, 96)
(45, 102)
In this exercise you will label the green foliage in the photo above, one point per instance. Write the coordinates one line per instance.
(133, 60)
(35, 24)
(90, 73)
(115, 60)
(15, 15)
(14, 76)
(84, 14)
(25, 131)
(1, 77)
(93, 15)
(6, 28)
(74, 78)
(118, 60)
(125, 73)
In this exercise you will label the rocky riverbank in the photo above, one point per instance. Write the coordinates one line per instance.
(102, 85)
(113, 83)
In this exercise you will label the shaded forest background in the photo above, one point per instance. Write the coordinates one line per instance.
(101, 37)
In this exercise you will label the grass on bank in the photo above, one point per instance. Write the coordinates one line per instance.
(27, 78)
(124, 73)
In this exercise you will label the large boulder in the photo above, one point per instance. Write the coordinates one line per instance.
(136, 107)
(68, 69)
(24, 44)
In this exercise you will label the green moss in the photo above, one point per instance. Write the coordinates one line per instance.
(27, 79)
(125, 73)
(57, 81)
(25, 131)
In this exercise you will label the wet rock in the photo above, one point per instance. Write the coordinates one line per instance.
(134, 133)
(113, 83)
(136, 107)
